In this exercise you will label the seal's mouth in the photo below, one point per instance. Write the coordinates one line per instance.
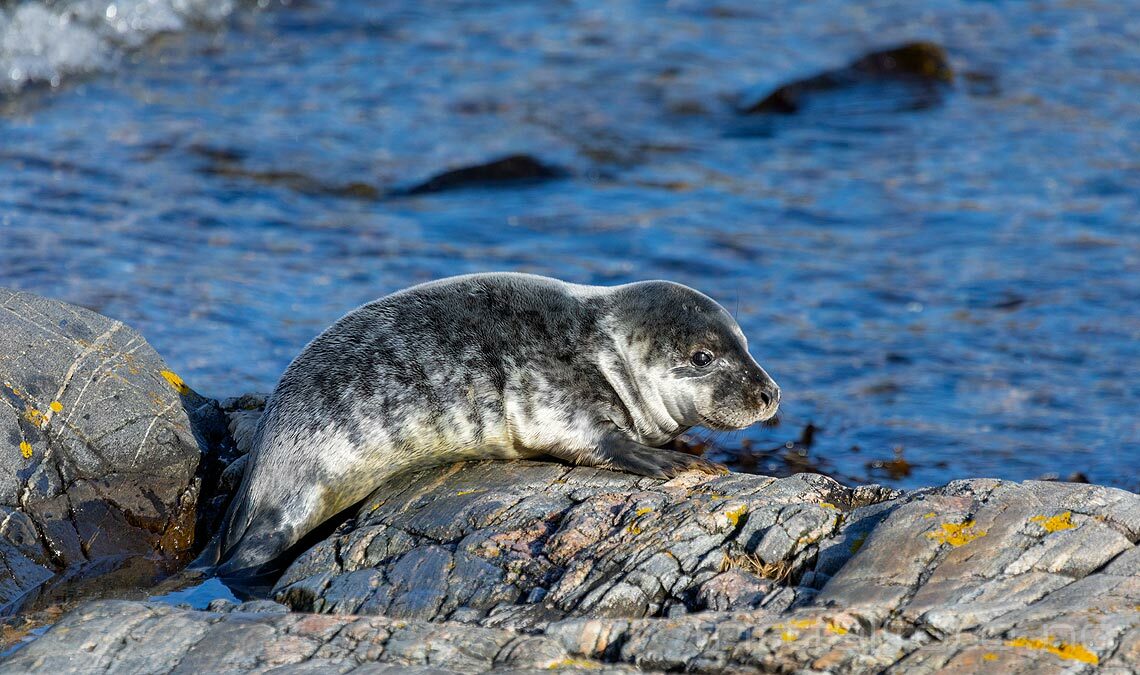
(734, 420)
(718, 426)
(737, 399)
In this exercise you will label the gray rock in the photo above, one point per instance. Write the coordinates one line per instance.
(740, 571)
(261, 607)
(98, 434)
(527, 565)
(119, 636)
(481, 538)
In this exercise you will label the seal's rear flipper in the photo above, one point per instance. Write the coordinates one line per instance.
(255, 553)
(208, 558)
(265, 550)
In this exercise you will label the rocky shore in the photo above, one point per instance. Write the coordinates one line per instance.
(528, 565)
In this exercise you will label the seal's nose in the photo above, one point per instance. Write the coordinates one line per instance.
(770, 395)
(767, 391)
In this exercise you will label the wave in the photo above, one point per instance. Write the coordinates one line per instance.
(46, 42)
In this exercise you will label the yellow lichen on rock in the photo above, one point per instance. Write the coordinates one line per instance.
(790, 632)
(1065, 650)
(1061, 521)
(175, 381)
(833, 627)
(572, 663)
(26, 449)
(956, 534)
(733, 515)
(634, 528)
(35, 417)
(56, 406)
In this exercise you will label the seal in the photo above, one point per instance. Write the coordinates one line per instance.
(489, 366)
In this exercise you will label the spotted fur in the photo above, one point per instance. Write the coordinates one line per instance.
(488, 366)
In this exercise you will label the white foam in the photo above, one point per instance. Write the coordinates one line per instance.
(47, 42)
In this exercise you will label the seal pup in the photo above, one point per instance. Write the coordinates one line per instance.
(489, 366)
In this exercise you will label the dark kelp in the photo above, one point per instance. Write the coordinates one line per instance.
(921, 67)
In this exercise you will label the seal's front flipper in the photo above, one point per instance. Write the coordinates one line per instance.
(622, 454)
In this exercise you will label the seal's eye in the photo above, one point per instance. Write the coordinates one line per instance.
(701, 358)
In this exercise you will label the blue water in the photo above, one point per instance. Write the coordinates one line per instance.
(959, 285)
(197, 596)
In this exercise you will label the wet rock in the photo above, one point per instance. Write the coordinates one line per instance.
(513, 169)
(908, 77)
(100, 443)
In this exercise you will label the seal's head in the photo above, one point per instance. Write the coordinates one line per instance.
(689, 360)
